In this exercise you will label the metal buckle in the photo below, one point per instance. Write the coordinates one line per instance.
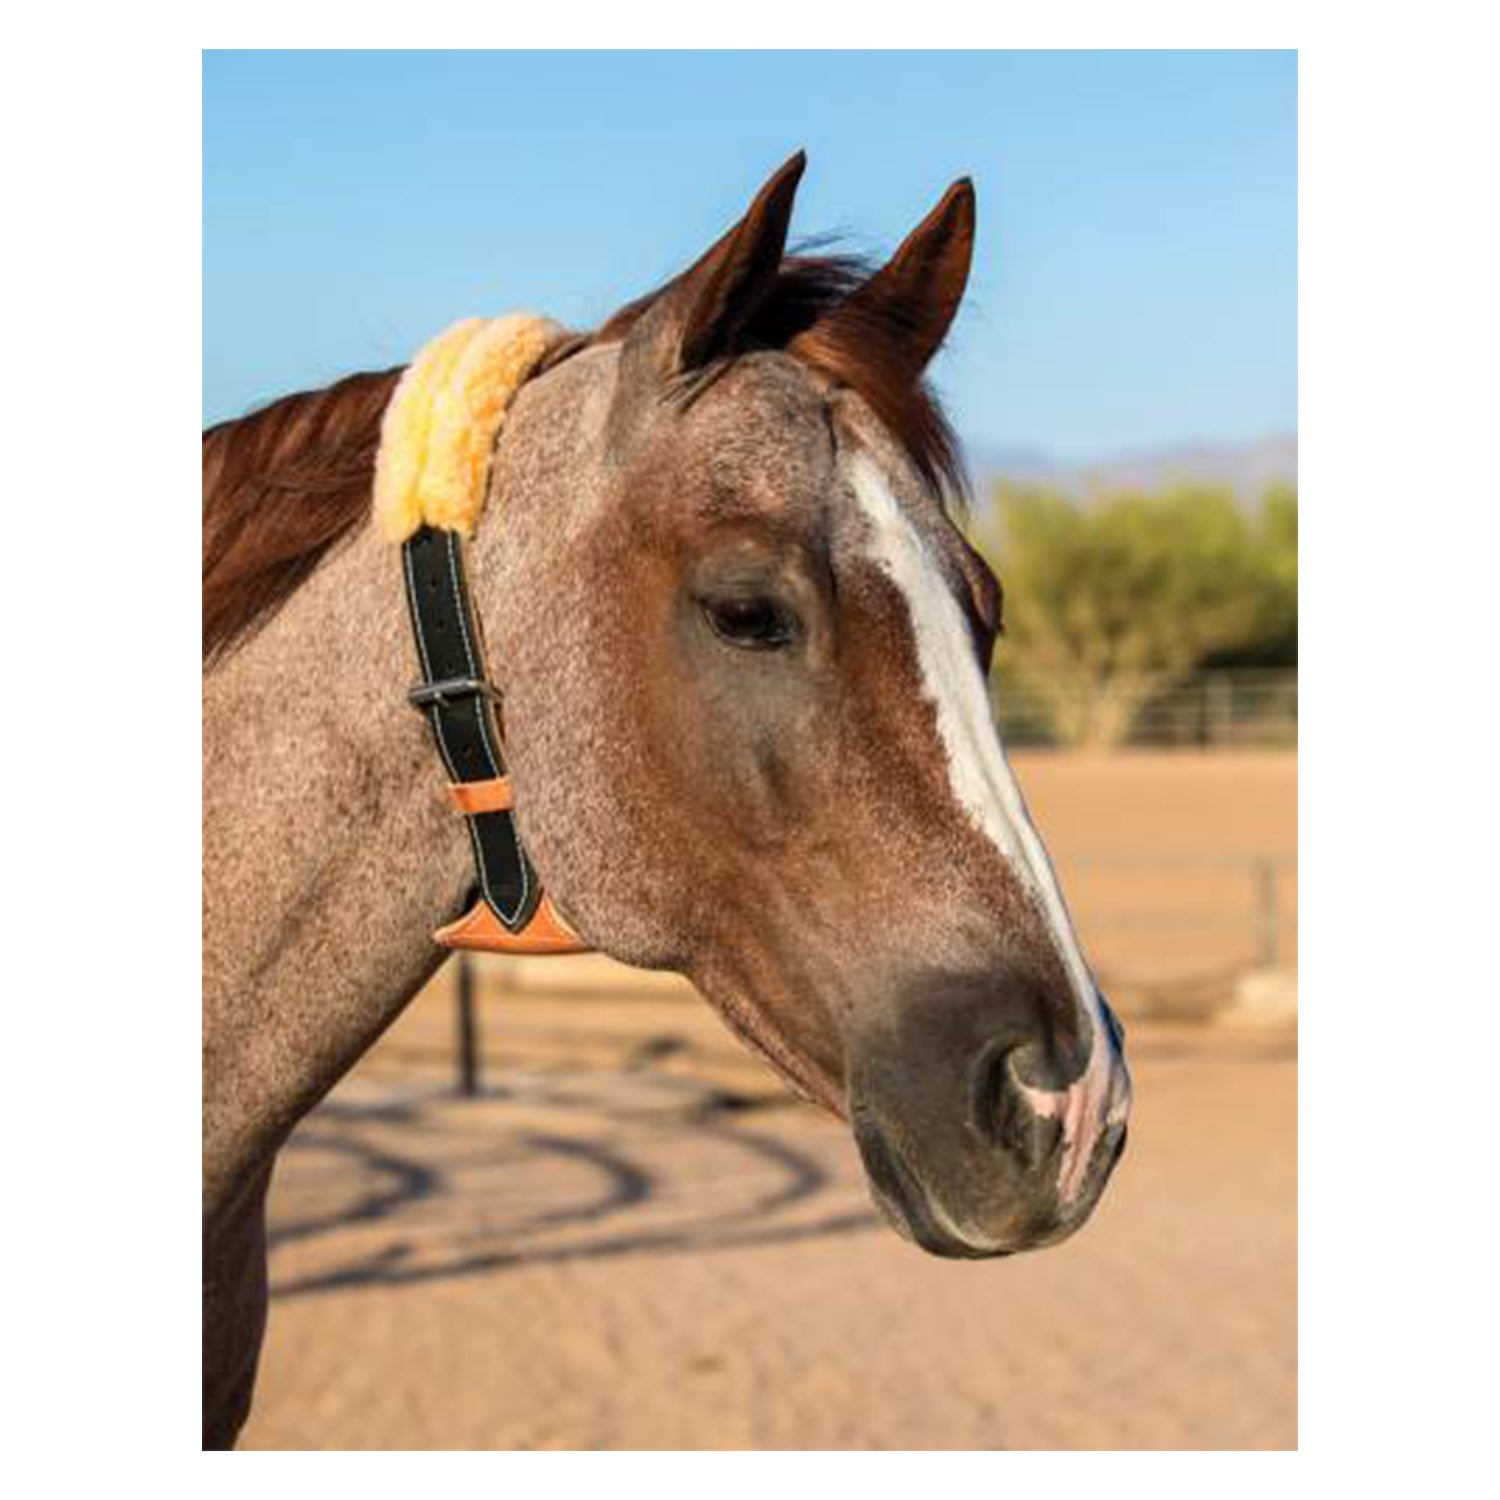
(427, 695)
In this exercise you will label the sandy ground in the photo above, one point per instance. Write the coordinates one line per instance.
(1162, 859)
(632, 1239)
(614, 1258)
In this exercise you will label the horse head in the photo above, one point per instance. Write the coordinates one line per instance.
(743, 649)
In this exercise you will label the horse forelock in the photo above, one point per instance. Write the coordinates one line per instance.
(811, 312)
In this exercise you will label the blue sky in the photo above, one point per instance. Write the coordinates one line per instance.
(1135, 278)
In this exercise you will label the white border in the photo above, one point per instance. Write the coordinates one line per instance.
(1397, 451)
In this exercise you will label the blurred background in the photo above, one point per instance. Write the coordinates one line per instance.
(558, 1206)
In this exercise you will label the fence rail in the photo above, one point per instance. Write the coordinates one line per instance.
(1263, 915)
(1242, 893)
(1241, 707)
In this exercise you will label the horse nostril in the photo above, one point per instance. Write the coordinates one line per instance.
(998, 1110)
(986, 1085)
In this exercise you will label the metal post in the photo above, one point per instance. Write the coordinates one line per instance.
(468, 1028)
(1267, 883)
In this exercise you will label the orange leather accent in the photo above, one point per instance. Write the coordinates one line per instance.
(482, 796)
(483, 932)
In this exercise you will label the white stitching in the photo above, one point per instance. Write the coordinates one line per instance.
(416, 614)
(458, 601)
(481, 711)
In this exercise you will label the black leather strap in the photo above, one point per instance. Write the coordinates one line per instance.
(455, 697)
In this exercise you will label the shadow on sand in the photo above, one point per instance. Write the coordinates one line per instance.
(603, 1182)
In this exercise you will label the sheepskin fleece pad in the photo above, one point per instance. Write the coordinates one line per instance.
(444, 417)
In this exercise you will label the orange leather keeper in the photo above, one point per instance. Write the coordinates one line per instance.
(481, 796)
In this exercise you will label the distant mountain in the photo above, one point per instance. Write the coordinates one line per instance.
(1246, 468)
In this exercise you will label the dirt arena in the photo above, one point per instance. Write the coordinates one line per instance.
(633, 1239)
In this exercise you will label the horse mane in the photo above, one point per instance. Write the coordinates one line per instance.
(281, 487)
(285, 484)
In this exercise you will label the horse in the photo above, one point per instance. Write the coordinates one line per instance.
(741, 646)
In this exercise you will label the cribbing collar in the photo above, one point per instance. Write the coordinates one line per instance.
(511, 912)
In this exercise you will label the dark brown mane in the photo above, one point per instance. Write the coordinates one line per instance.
(280, 488)
(285, 484)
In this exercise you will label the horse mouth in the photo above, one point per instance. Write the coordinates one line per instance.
(906, 1205)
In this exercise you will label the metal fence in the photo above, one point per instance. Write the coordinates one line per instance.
(1167, 935)
(1243, 707)
(1183, 930)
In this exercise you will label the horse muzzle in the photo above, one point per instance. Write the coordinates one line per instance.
(983, 1136)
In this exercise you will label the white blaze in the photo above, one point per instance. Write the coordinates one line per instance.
(986, 789)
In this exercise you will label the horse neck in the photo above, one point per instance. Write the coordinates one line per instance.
(329, 854)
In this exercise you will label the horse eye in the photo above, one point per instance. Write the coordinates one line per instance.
(754, 623)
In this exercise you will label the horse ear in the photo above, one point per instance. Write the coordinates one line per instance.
(720, 293)
(913, 298)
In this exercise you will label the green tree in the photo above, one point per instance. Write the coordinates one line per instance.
(1110, 599)
(1272, 640)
